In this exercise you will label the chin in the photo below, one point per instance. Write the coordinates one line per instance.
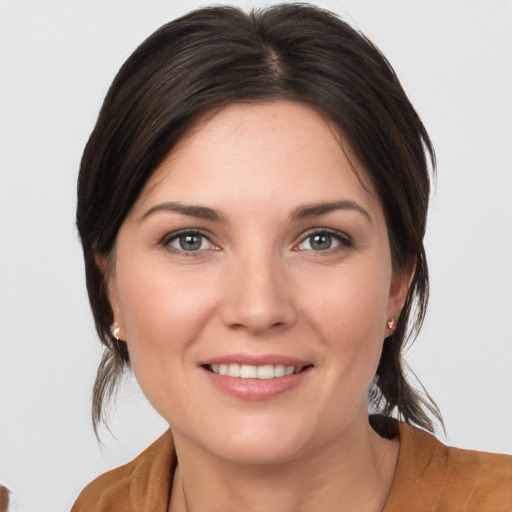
(254, 440)
(265, 450)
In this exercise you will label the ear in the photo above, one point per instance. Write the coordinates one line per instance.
(102, 262)
(400, 284)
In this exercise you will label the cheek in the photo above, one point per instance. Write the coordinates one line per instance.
(350, 313)
(162, 311)
(352, 303)
(163, 316)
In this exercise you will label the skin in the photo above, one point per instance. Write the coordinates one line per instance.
(257, 285)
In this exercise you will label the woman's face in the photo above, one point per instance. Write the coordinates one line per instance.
(254, 251)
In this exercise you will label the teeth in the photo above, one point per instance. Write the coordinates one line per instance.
(289, 370)
(233, 370)
(246, 371)
(266, 372)
(279, 370)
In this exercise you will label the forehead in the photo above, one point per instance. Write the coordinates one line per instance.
(260, 151)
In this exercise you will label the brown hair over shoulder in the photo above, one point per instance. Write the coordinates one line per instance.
(219, 55)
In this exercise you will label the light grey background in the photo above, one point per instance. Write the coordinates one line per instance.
(57, 59)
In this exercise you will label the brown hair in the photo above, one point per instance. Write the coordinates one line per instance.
(219, 55)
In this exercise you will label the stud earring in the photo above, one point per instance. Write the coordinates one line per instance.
(114, 329)
(120, 348)
(391, 323)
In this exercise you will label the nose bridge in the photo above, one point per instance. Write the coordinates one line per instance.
(259, 295)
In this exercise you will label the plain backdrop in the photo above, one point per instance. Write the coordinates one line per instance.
(57, 59)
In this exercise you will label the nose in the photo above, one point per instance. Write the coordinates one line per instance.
(258, 296)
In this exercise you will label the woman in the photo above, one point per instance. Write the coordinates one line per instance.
(252, 205)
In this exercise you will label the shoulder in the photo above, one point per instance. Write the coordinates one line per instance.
(142, 484)
(431, 476)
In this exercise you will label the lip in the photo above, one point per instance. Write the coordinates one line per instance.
(256, 360)
(256, 389)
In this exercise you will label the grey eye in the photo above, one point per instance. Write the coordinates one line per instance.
(324, 241)
(320, 242)
(189, 242)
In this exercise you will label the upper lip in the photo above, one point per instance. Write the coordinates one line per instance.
(256, 360)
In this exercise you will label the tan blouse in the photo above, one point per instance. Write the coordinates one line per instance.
(430, 477)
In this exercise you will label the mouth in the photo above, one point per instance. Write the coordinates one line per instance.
(263, 372)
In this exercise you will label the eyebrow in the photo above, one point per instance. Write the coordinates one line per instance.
(317, 209)
(200, 212)
(299, 213)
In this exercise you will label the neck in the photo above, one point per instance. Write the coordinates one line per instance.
(354, 471)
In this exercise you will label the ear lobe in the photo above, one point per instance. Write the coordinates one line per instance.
(101, 262)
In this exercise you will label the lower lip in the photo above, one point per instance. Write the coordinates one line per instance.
(256, 389)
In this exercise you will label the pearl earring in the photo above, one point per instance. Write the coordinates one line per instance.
(114, 329)
(391, 323)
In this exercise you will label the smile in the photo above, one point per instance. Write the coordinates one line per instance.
(245, 371)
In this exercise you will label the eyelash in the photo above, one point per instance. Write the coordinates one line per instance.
(343, 240)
